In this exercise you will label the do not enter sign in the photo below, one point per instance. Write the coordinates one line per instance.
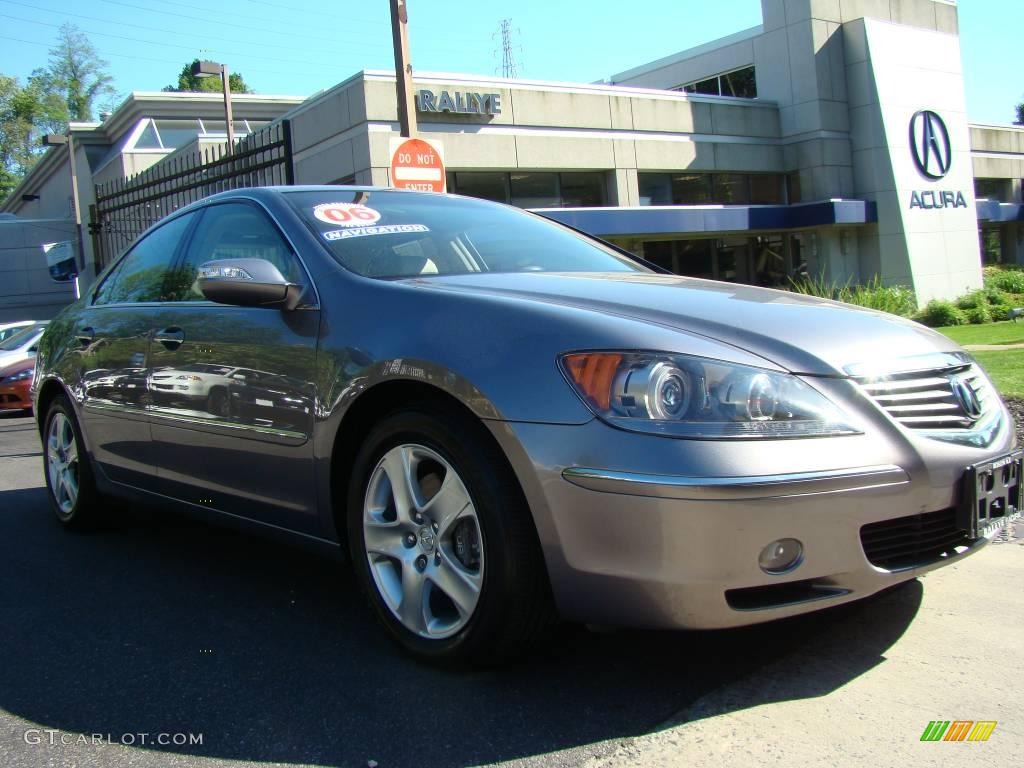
(417, 164)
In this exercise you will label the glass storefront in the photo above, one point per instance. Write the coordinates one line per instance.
(765, 260)
(532, 189)
(712, 188)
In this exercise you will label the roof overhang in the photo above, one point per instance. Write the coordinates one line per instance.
(995, 212)
(711, 219)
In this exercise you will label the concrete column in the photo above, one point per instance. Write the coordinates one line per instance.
(623, 187)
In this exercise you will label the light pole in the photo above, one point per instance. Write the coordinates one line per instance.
(212, 69)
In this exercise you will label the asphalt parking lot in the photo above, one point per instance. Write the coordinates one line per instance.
(162, 625)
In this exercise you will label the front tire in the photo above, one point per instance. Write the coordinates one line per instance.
(442, 541)
(69, 480)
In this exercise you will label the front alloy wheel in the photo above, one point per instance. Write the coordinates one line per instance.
(442, 540)
(423, 543)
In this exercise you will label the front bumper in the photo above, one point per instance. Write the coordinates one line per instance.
(658, 532)
(15, 397)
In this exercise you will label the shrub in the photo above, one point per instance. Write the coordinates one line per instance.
(1000, 312)
(978, 315)
(1009, 280)
(939, 313)
(895, 299)
(996, 296)
(973, 299)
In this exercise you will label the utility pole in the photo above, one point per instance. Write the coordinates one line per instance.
(403, 68)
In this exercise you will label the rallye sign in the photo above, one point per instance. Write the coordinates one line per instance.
(460, 103)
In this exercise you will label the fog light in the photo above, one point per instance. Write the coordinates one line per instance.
(781, 556)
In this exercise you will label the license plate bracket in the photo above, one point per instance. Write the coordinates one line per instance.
(991, 494)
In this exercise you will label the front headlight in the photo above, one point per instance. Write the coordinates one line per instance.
(26, 374)
(700, 398)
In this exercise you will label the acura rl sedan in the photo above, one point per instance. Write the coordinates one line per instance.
(503, 422)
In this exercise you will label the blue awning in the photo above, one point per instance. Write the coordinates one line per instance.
(711, 219)
(996, 212)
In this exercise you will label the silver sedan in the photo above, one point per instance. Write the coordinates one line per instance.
(503, 422)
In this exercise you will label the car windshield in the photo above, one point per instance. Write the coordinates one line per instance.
(389, 234)
(21, 338)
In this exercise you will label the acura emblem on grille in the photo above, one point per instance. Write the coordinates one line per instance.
(965, 396)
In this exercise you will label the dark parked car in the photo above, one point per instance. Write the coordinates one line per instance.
(503, 421)
(15, 380)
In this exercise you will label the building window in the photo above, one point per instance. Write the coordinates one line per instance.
(712, 188)
(793, 194)
(174, 134)
(489, 186)
(993, 189)
(532, 189)
(740, 83)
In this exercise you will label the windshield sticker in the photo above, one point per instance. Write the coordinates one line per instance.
(387, 229)
(346, 214)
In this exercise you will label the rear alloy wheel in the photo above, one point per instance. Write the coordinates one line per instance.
(442, 540)
(69, 479)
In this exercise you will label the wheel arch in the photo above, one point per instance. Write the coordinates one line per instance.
(48, 391)
(376, 403)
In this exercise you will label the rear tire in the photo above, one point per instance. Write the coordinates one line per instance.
(442, 541)
(70, 483)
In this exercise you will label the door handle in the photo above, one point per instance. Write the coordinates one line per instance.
(170, 337)
(86, 335)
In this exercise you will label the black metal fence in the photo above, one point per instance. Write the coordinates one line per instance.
(124, 209)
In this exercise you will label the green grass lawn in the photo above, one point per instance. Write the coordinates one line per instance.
(1005, 367)
(1006, 332)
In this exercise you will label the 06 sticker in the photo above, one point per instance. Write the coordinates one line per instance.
(346, 214)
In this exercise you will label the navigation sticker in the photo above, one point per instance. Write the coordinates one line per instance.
(346, 214)
(385, 229)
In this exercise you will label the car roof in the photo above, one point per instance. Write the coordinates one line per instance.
(279, 191)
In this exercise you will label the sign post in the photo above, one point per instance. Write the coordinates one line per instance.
(417, 164)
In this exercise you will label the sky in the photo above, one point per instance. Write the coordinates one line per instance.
(299, 48)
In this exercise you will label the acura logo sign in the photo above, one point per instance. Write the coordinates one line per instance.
(929, 144)
(966, 397)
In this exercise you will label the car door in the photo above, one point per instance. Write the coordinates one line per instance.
(113, 336)
(224, 440)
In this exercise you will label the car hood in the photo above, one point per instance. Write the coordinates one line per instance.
(803, 334)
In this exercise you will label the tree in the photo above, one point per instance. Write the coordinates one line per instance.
(189, 82)
(64, 90)
(1020, 114)
(76, 73)
(26, 113)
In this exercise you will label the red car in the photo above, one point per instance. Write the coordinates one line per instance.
(14, 382)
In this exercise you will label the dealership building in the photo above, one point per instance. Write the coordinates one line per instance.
(831, 140)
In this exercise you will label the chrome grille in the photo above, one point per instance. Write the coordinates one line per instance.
(929, 399)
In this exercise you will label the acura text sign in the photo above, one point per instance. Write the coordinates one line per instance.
(932, 153)
(459, 103)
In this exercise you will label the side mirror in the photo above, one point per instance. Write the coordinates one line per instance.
(61, 261)
(247, 283)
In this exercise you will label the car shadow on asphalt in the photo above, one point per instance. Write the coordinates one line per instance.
(163, 624)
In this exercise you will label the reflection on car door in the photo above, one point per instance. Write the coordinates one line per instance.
(113, 337)
(233, 399)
